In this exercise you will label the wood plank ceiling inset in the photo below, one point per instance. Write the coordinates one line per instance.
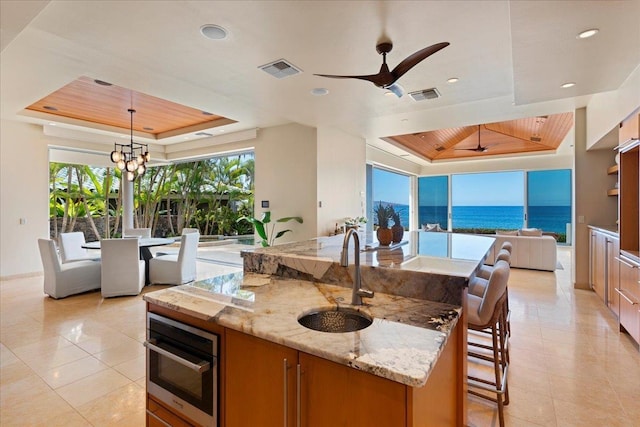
(84, 99)
(526, 135)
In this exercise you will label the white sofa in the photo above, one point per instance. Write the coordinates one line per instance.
(532, 252)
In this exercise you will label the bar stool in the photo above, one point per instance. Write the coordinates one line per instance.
(485, 270)
(487, 313)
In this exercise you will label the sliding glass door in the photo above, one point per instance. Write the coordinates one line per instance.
(549, 201)
(433, 201)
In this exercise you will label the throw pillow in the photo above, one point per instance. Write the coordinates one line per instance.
(431, 227)
(534, 232)
(507, 232)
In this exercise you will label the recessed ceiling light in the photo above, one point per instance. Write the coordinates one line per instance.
(213, 32)
(587, 33)
(453, 80)
(319, 91)
(568, 85)
(389, 93)
(50, 108)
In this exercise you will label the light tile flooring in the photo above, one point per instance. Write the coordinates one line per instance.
(79, 361)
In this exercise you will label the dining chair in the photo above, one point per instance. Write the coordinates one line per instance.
(71, 248)
(62, 280)
(190, 230)
(179, 268)
(142, 232)
(122, 268)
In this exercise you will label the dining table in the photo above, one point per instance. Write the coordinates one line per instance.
(144, 243)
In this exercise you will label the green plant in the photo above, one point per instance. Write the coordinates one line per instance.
(383, 214)
(355, 221)
(395, 215)
(263, 230)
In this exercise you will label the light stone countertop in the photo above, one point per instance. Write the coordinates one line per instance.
(403, 343)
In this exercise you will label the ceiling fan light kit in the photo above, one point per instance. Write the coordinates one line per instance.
(386, 79)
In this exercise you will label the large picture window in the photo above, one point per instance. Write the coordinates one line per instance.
(485, 202)
(390, 188)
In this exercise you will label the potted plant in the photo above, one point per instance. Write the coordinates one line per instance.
(264, 232)
(354, 222)
(383, 215)
(397, 230)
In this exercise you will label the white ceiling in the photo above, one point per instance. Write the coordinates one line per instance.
(510, 56)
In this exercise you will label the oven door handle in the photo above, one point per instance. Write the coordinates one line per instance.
(200, 367)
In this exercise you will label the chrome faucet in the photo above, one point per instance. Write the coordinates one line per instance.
(358, 293)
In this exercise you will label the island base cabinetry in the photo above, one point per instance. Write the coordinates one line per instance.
(272, 385)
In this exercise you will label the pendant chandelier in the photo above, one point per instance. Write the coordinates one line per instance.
(131, 157)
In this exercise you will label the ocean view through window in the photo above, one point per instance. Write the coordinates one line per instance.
(394, 189)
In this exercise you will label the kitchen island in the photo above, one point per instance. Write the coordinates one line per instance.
(407, 368)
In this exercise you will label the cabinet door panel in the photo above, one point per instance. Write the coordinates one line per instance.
(630, 299)
(338, 396)
(255, 383)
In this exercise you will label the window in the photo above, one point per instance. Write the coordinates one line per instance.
(549, 201)
(433, 200)
(392, 188)
(485, 202)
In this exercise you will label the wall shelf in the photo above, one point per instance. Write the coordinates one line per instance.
(612, 192)
(613, 170)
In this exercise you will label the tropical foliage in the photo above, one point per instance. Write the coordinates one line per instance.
(269, 235)
(208, 194)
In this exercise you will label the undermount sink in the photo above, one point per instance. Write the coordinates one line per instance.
(335, 320)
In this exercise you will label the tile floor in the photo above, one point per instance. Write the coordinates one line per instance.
(79, 361)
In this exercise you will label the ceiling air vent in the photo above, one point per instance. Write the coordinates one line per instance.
(280, 69)
(421, 95)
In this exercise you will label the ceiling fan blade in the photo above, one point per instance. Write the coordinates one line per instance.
(413, 60)
(376, 79)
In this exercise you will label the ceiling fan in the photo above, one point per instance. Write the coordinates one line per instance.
(386, 79)
(479, 148)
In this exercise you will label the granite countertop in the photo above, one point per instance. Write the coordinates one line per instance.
(443, 253)
(403, 343)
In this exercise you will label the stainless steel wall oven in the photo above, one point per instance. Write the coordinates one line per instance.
(182, 368)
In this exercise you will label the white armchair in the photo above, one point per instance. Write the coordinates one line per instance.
(71, 248)
(176, 269)
(122, 269)
(141, 232)
(62, 280)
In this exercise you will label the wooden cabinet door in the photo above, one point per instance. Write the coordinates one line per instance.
(630, 299)
(598, 264)
(159, 416)
(613, 274)
(338, 396)
(256, 391)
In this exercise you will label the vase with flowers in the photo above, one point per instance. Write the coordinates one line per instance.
(383, 215)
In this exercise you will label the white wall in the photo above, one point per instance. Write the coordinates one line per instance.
(24, 176)
(285, 175)
(606, 110)
(591, 203)
(341, 178)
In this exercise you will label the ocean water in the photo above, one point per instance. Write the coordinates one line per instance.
(547, 218)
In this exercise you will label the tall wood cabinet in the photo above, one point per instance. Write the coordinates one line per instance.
(629, 210)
